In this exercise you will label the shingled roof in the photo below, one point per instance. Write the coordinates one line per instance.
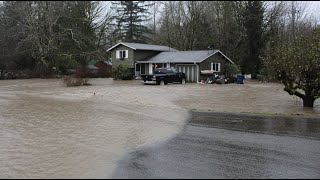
(183, 57)
(138, 46)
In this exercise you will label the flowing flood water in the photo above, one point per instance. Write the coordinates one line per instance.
(52, 131)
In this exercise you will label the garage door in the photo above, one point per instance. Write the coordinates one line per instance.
(189, 70)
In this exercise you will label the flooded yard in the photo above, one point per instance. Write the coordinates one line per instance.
(52, 131)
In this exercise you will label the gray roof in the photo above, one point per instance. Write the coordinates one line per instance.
(138, 46)
(182, 57)
(108, 62)
(92, 67)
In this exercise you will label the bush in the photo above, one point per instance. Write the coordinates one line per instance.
(122, 72)
(264, 75)
(232, 69)
(75, 81)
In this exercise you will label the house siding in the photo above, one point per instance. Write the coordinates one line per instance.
(206, 65)
(129, 61)
(141, 54)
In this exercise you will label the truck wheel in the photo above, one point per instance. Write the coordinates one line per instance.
(183, 81)
(162, 83)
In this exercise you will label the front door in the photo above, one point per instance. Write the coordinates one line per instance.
(143, 68)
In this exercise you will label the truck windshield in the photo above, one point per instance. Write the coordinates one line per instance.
(160, 71)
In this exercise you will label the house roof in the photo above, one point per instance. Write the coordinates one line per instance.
(108, 62)
(92, 67)
(183, 57)
(138, 46)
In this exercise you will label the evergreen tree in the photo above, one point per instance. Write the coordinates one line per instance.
(253, 23)
(85, 38)
(129, 21)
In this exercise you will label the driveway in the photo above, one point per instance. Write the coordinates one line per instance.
(232, 145)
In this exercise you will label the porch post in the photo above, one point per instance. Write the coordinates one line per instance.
(150, 68)
(198, 72)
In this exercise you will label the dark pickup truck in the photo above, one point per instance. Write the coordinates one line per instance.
(164, 76)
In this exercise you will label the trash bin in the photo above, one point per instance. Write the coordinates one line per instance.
(240, 79)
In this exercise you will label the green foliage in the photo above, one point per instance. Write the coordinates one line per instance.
(47, 34)
(296, 64)
(264, 75)
(253, 23)
(232, 69)
(129, 20)
(122, 72)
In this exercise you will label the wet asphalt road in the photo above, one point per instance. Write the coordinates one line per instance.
(225, 145)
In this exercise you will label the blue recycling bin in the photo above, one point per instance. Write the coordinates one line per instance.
(240, 79)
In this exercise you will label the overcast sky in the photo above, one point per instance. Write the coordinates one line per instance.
(313, 8)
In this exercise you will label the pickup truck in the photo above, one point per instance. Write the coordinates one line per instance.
(164, 76)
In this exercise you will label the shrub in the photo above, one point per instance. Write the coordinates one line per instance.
(122, 72)
(75, 81)
(232, 69)
(264, 75)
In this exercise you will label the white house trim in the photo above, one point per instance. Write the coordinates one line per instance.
(127, 54)
(225, 57)
(156, 62)
(198, 73)
(150, 68)
(213, 67)
(117, 54)
(215, 53)
(122, 44)
(218, 51)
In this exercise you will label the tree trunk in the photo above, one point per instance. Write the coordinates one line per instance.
(308, 101)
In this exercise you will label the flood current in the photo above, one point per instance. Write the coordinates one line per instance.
(49, 130)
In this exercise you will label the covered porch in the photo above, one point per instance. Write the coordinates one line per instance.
(190, 69)
(147, 68)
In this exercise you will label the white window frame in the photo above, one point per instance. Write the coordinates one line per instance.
(119, 54)
(215, 67)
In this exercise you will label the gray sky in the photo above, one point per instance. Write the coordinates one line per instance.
(313, 8)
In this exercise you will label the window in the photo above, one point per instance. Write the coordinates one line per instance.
(122, 54)
(215, 67)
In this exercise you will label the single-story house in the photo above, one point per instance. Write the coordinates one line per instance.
(144, 58)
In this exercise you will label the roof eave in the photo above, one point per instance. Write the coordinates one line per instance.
(225, 56)
(121, 44)
(218, 51)
(165, 62)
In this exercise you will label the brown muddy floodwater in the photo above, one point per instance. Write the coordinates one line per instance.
(52, 131)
